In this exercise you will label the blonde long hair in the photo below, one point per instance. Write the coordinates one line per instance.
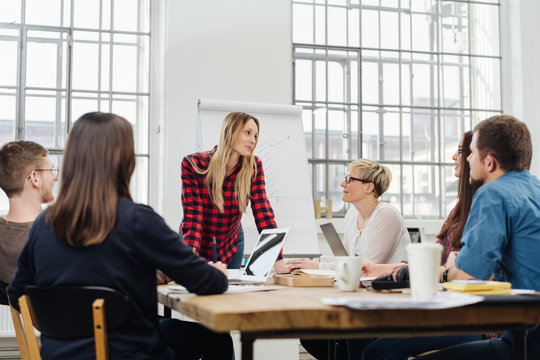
(232, 127)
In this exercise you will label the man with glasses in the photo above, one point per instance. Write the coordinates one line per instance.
(27, 176)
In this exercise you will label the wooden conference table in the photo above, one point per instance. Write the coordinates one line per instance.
(299, 313)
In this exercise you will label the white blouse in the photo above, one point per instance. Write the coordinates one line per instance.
(384, 238)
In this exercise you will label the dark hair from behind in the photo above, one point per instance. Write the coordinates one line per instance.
(465, 195)
(506, 139)
(99, 160)
(17, 158)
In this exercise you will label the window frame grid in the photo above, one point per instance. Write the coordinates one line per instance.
(439, 164)
(20, 88)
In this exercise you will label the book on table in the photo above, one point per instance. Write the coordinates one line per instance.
(479, 287)
(306, 278)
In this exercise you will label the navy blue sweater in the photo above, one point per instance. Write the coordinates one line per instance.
(127, 260)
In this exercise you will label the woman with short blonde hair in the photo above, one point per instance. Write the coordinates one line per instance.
(374, 230)
(374, 172)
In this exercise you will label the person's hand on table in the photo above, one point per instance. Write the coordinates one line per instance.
(220, 266)
(378, 270)
(303, 264)
(283, 267)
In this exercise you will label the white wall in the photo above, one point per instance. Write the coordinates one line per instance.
(229, 50)
(521, 72)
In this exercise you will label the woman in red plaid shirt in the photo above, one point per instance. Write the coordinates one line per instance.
(216, 188)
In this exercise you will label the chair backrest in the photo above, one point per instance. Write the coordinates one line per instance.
(30, 336)
(69, 312)
(65, 312)
(22, 342)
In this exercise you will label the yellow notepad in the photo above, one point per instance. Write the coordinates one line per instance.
(479, 287)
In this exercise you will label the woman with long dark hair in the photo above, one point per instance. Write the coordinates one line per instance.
(95, 235)
(450, 235)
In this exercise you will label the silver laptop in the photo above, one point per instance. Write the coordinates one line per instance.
(262, 258)
(417, 234)
(332, 237)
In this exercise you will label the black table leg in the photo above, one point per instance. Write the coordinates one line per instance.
(247, 347)
(332, 349)
(167, 312)
(519, 347)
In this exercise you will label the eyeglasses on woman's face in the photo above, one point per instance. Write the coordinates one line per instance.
(350, 178)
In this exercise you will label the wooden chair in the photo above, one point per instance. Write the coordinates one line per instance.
(24, 350)
(64, 312)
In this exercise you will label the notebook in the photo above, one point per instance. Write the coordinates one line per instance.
(262, 258)
(479, 287)
(332, 237)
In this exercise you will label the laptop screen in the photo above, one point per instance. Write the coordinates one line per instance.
(332, 237)
(265, 253)
(416, 234)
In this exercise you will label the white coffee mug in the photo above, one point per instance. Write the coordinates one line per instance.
(348, 272)
(424, 262)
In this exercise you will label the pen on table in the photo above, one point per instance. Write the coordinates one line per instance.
(214, 249)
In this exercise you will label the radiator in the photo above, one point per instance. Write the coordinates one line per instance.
(6, 324)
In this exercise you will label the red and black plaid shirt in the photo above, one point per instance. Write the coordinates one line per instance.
(202, 220)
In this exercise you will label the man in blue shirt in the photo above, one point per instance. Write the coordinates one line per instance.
(502, 235)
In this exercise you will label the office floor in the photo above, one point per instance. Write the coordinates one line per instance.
(9, 349)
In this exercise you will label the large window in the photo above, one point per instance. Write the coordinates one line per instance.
(63, 58)
(396, 81)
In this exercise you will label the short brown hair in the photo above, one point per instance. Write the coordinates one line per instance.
(17, 158)
(506, 139)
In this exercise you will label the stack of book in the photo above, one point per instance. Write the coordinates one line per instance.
(479, 287)
(306, 278)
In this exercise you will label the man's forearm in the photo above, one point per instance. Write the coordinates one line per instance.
(456, 274)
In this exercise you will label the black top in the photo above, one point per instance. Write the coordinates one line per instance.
(127, 260)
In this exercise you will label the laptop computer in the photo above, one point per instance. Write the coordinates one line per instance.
(332, 237)
(416, 234)
(262, 258)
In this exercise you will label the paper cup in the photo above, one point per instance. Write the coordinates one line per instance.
(424, 263)
(348, 272)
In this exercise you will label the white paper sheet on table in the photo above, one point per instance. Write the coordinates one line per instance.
(248, 288)
(443, 300)
(231, 289)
